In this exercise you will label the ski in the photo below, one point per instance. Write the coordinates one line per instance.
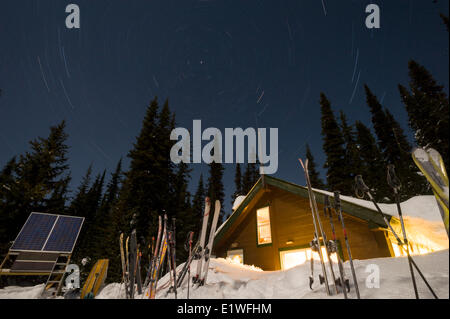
(314, 244)
(432, 166)
(132, 263)
(338, 209)
(190, 237)
(201, 247)
(124, 269)
(138, 271)
(172, 242)
(172, 266)
(362, 189)
(209, 247)
(159, 261)
(334, 248)
(127, 261)
(316, 233)
(155, 253)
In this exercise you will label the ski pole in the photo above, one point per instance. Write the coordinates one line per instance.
(316, 233)
(395, 184)
(174, 259)
(327, 211)
(362, 188)
(191, 236)
(338, 208)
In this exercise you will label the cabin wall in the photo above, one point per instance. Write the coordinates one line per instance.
(291, 221)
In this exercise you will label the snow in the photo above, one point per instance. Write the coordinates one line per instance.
(228, 280)
(237, 202)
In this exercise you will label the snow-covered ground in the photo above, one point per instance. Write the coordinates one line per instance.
(228, 280)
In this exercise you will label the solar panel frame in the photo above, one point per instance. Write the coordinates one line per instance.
(49, 234)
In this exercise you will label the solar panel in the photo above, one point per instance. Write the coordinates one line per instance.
(48, 233)
(35, 232)
(64, 234)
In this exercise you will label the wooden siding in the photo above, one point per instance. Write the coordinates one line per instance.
(291, 220)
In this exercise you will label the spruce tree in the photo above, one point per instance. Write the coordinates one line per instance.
(9, 196)
(148, 189)
(88, 242)
(333, 146)
(395, 148)
(185, 217)
(77, 205)
(237, 183)
(198, 206)
(352, 154)
(215, 187)
(107, 228)
(428, 110)
(251, 176)
(316, 182)
(372, 162)
(37, 180)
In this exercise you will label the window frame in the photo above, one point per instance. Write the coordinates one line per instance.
(257, 227)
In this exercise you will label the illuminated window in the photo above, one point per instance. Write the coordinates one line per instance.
(295, 257)
(236, 255)
(263, 225)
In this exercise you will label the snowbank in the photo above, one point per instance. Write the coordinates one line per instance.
(228, 280)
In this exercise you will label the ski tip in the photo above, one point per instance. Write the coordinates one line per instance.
(420, 154)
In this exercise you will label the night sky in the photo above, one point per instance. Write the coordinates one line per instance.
(228, 63)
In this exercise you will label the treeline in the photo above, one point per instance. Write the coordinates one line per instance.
(353, 149)
(39, 179)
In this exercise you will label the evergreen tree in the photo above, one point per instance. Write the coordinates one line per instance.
(215, 187)
(352, 154)
(149, 188)
(316, 182)
(77, 205)
(382, 128)
(88, 244)
(9, 197)
(36, 181)
(198, 206)
(395, 148)
(333, 146)
(237, 183)
(428, 110)
(251, 174)
(185, 217)
(107, 228)
(372, 162)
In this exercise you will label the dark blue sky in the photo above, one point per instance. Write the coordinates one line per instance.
(228, 63)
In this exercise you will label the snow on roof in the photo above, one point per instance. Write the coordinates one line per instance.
(424, 207)
(238, 202)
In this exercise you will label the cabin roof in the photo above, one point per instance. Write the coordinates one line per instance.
(370, 215)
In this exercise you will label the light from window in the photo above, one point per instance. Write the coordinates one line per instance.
(263, 225)
(236, 256)
(295, 257)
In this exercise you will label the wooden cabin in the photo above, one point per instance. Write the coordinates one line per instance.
(272, 228)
